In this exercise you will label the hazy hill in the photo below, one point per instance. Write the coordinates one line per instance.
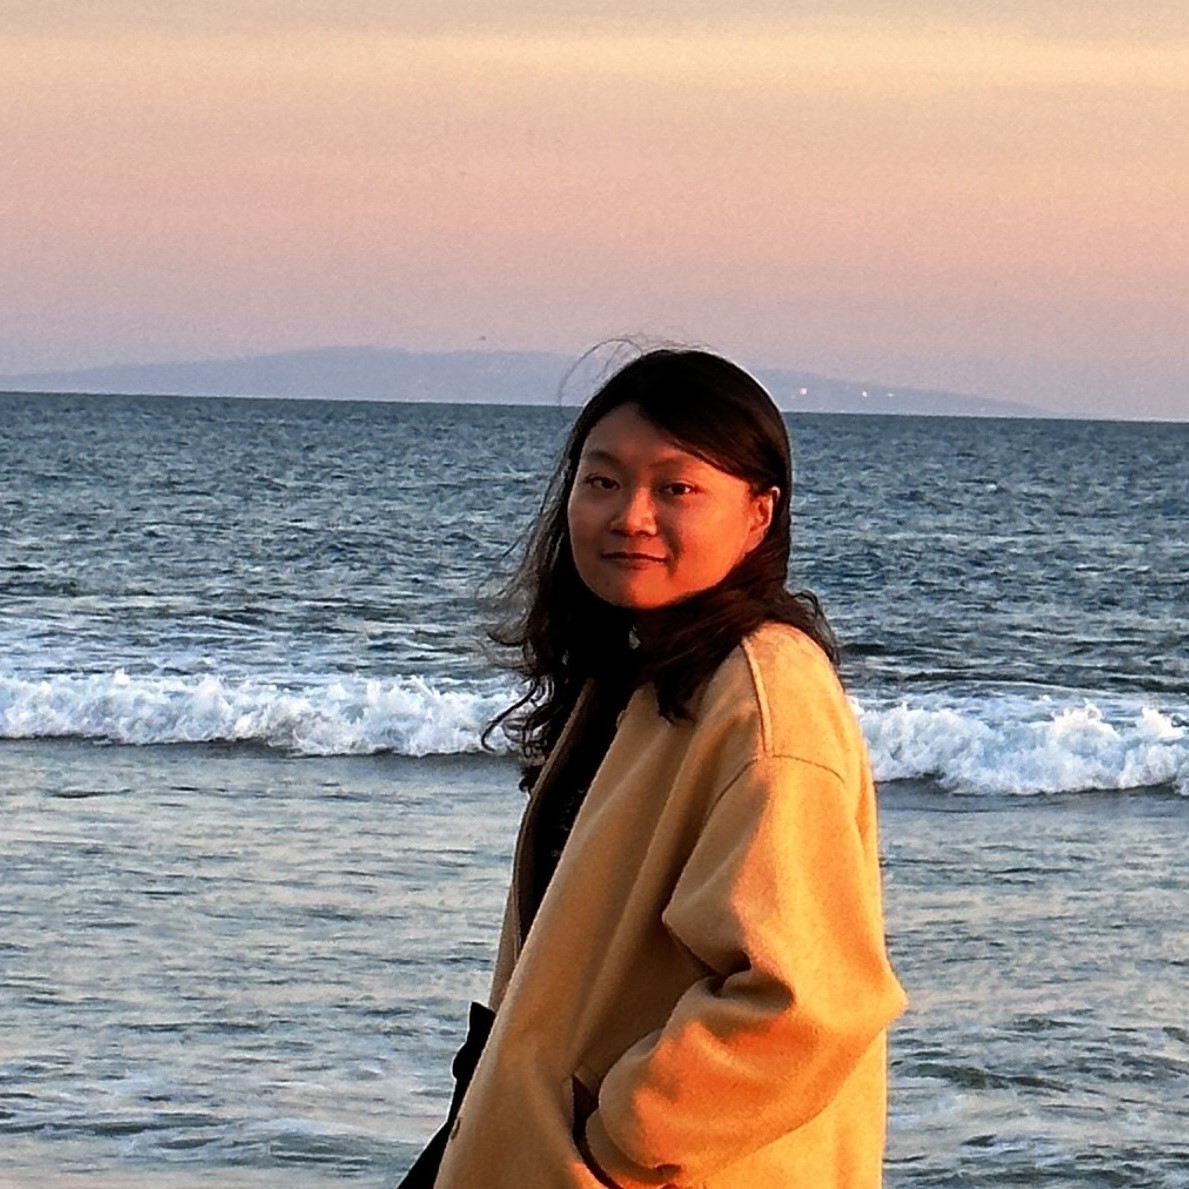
(495, 377)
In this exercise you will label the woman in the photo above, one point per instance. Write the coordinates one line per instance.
(692, 987)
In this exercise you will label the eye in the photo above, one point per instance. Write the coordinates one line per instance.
(679, 487)
(599, 482)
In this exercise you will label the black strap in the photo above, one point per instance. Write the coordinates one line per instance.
(425, 1168)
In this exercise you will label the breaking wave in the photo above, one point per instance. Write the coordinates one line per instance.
(1015, 745)
(332, 716)
(993, 743)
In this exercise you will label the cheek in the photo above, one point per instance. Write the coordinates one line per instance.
(715, 544)
(581, 531)
(576, 521)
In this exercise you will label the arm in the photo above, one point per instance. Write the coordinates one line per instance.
(780, 901)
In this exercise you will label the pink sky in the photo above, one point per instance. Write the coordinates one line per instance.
(993, 204)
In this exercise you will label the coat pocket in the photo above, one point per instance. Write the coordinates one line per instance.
(582, 1099)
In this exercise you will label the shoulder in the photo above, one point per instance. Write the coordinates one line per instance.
(780, 687)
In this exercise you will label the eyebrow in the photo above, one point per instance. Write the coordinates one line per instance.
(596, 455)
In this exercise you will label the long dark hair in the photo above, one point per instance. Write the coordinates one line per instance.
(557, 635)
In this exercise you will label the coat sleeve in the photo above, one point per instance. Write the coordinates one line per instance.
(780, 901)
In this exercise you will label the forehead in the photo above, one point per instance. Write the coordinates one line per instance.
(625, 436)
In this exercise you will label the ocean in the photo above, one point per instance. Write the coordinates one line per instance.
(254, 857)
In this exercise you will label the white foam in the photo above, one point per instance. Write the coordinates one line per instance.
(1017, 745)
(330, 716)
(997, 742)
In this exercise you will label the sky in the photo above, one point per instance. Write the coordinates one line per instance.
(982, 197)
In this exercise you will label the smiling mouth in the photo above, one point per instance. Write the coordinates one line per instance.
(633, 558)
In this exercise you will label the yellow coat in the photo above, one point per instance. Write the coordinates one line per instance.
(708, 960)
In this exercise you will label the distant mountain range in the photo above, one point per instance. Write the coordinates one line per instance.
(491, 377)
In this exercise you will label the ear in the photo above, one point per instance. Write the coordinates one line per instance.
(763, 508)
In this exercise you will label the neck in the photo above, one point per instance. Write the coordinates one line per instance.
(651, 627)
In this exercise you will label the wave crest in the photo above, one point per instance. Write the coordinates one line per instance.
(996, 743)
(334, 716)
(1013, 745)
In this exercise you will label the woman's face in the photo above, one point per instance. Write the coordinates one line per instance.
(652, 524)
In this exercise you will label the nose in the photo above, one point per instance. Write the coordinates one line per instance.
(636, 515)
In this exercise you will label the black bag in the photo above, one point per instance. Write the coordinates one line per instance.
(425, 1168)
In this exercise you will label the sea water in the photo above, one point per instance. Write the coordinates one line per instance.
(253, 857)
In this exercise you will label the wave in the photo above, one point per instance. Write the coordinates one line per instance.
(991, 743)
(1010, 744)
(317, 717)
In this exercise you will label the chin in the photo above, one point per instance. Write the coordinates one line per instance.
(643, 603)
(630, 600)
